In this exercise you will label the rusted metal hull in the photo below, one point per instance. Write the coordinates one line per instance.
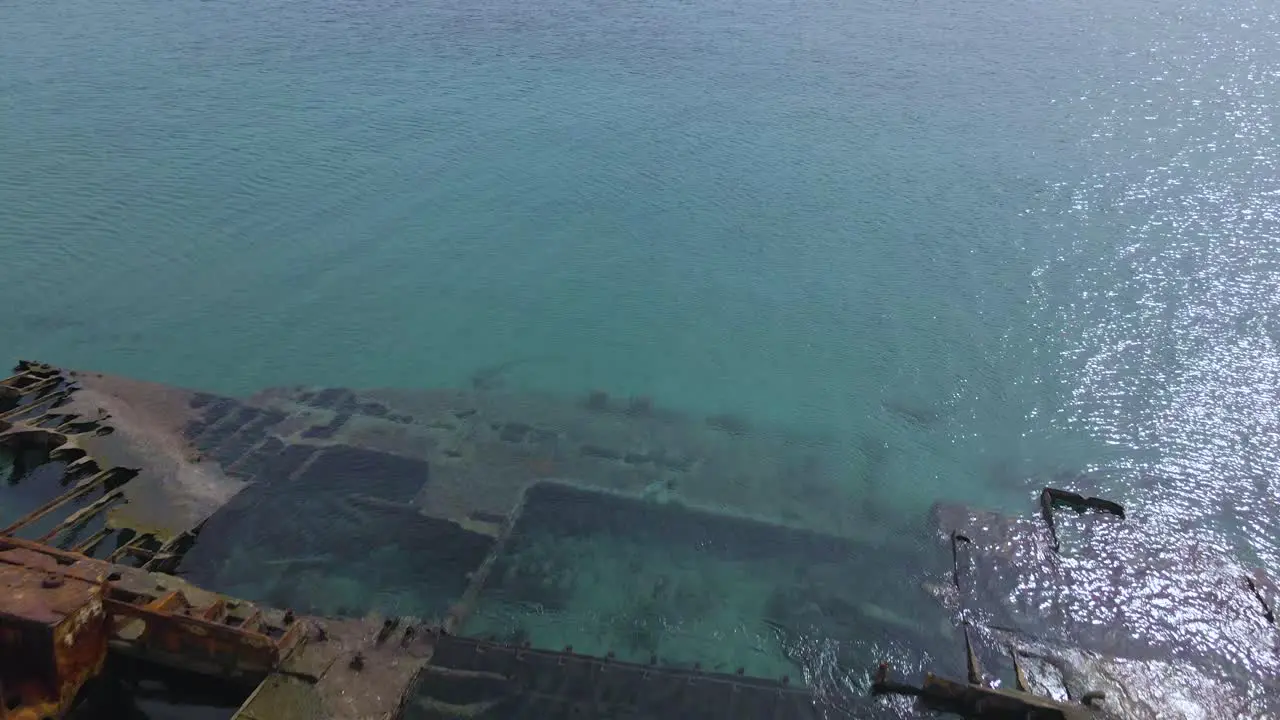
(152, 467)
(60, 613)
(53, 632)
(162, 480)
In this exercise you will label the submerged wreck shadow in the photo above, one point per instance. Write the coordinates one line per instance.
(318, 543)
(669, 552)
(666, 584)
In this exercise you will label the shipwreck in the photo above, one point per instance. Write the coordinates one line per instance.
(480, 553)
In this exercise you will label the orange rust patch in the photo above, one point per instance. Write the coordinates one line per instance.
(53, 633)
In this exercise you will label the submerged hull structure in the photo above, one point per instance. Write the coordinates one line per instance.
(479, 553)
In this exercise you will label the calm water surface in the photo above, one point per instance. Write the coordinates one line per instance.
(994, 240)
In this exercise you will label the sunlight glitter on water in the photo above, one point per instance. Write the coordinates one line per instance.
(1176, 346)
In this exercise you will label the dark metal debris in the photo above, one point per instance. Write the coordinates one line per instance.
(157, 480)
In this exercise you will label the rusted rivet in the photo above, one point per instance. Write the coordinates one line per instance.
(51, 581)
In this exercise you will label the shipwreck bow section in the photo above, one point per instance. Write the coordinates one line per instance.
(386, 553)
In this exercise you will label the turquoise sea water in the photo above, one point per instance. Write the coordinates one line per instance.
(993, 240)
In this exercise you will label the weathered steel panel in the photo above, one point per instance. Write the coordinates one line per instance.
(318, 475)
(53, 633)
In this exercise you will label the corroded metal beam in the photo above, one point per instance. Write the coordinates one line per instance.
(450, 469)
(53, 632)
(974, 700)
(60, 611)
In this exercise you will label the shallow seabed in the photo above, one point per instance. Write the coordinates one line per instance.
(982, 243)
(979, 247)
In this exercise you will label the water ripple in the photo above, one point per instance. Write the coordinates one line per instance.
(1173, 331)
